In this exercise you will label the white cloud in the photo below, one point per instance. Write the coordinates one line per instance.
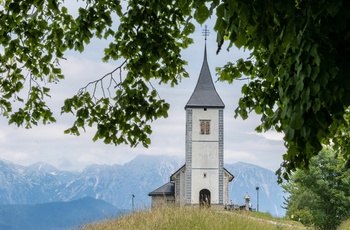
(272, 135)
(50, 145)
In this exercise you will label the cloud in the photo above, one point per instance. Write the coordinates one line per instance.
(272, 135)
(49, 144)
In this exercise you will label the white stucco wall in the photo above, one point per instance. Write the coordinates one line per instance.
(210, 114)
(211, 183)
(226, 191)
(205, 148)
(205, 155)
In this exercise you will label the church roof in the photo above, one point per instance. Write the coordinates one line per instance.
(173, 176)
(205, 95)
(166, 189)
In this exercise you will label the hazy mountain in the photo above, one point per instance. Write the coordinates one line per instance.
(36, 183)
(115, 184)
(247, 178)
(55, 215)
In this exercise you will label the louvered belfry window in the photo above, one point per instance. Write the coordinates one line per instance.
(205, 127)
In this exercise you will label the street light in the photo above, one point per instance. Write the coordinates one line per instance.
(132, 199)
(257, 198)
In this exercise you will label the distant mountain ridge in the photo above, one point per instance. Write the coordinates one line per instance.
(55, 215)
(40, 183)
(247, 178)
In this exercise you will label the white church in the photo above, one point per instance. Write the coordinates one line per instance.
(202, 180)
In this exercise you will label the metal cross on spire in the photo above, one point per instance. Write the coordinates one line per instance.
(205, 32)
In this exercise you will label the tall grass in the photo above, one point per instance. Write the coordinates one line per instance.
(193, 218)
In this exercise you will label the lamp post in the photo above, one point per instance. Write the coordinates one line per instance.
(132, 199)
(257, 198)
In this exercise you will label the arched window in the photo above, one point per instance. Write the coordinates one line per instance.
(205, 127)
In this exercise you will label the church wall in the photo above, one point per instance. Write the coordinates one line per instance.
(177, 190)
(226, 192)
(205, 155)
(181, 196)
(205, 179)
(201, 114)
(159, 201)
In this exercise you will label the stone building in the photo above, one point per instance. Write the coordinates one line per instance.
(202, 180)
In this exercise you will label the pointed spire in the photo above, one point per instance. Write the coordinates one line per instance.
(205, 95)
(205, 33)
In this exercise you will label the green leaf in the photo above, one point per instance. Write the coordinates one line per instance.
(296, 121)
(240, 40)
(15, 8)
(189, 29)
(202, 13)
(258, 109)
(288, 134)
(46, 90)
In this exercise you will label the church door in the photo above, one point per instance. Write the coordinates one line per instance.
(204, 197)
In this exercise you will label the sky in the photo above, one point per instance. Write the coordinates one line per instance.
(66, 152)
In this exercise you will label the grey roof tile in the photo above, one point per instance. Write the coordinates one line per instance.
(166, 189)
(205, 95)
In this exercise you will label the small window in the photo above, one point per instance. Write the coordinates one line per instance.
(205, 127)
(204, 175)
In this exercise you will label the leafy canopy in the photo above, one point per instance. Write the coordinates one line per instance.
(297, 70)
(320, 196)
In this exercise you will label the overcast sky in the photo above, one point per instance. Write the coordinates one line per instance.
(48, 143)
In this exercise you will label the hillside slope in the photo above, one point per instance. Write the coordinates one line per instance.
(196, 219)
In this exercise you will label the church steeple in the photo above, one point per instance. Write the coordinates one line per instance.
(205, 95)
(203, 180)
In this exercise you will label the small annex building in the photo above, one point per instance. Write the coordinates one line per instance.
(202, 180)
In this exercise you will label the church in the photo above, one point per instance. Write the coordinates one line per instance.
(202, 180)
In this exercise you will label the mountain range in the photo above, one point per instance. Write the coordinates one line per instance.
(116, 184)
(55, 215)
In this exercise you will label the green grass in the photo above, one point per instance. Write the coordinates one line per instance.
(345, 225)
(195, 218)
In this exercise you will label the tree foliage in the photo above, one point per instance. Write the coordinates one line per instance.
(320, 196)
(297, 69)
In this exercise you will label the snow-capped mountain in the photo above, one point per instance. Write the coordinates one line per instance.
(37, 183)
(40, 183)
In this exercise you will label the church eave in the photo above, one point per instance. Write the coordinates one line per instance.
(205, 106)
(230, 174)
(173, 176)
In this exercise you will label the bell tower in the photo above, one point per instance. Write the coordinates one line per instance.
(204, 182)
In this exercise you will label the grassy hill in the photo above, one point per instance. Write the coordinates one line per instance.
(196, 218)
